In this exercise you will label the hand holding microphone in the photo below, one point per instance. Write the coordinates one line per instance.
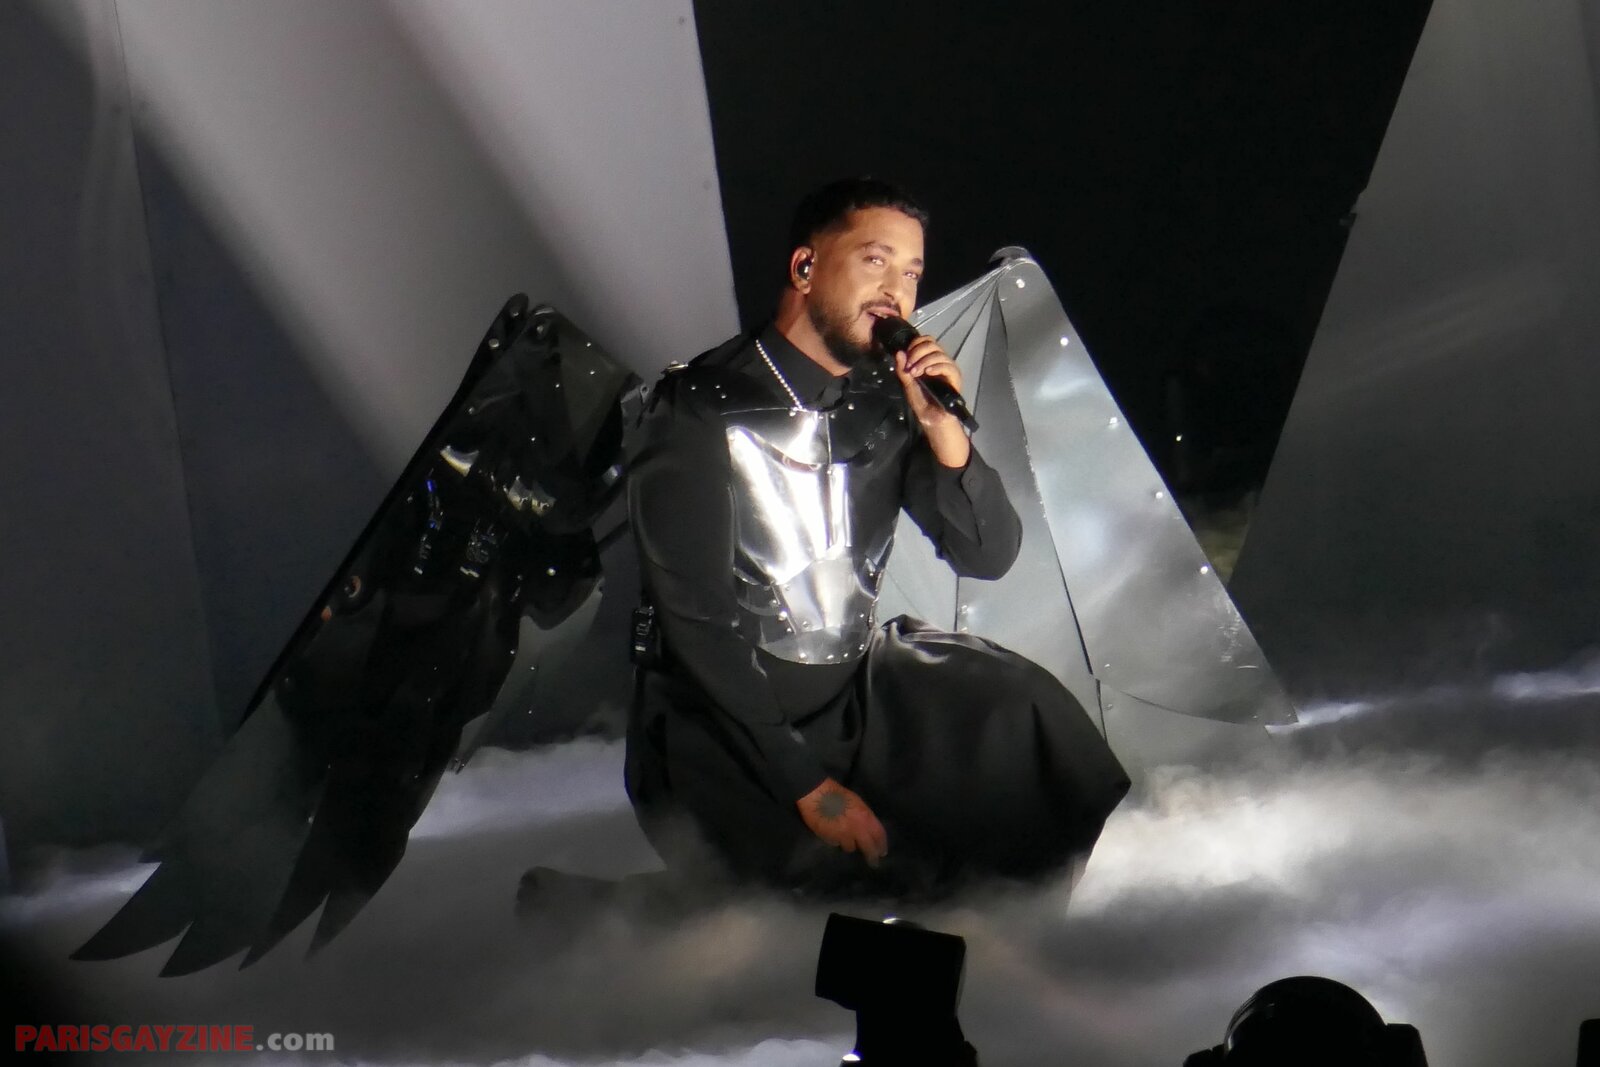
(928, 363)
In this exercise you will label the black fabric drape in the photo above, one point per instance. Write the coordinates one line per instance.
(978, 762)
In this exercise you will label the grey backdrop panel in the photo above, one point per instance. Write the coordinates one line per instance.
(105, 684)
(339, 198)
(1435, 500)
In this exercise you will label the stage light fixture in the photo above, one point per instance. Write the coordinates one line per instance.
(1312, 1022)
(904, 984)
(1589, 1043)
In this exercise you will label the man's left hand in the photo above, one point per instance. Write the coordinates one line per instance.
(926, 358)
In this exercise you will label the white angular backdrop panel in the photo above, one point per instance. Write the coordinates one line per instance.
(337, 197)
(1437, 484)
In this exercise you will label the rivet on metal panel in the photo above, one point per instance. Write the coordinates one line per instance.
(494, 342)
(1204, 569)
(551, 571)
(1113, 421)
(1065, 341)
(1021, 284)
(1160, 495)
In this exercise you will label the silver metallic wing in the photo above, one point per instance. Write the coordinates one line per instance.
(1111, 592)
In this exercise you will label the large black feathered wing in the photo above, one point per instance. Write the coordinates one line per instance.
(491, 527)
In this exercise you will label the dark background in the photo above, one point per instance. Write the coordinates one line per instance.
(1184, 171)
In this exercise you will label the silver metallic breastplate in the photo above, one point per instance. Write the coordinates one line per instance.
(806, 576)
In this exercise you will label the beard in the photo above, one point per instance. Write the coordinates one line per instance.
(833, 326)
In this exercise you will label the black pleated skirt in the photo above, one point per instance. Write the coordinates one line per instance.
(977, 761)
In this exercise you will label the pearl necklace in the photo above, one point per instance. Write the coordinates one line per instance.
(773, 367)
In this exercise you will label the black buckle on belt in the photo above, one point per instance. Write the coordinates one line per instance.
(645, 646)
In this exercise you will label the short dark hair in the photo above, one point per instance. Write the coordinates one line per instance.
(827, 207)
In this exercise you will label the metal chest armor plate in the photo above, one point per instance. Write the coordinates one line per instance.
(808, 555)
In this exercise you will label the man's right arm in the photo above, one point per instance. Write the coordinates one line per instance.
(680, 506)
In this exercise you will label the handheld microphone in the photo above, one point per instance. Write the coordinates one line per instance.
(894, 334)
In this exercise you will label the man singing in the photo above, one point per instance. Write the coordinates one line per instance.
(778, 732)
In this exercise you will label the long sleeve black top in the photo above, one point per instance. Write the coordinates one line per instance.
(680, 505)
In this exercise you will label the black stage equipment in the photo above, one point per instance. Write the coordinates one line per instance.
(1312, 1022)
(895, 334)
(1589, 1043)
(904, 984)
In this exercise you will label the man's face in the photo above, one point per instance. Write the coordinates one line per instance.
(871, 264)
